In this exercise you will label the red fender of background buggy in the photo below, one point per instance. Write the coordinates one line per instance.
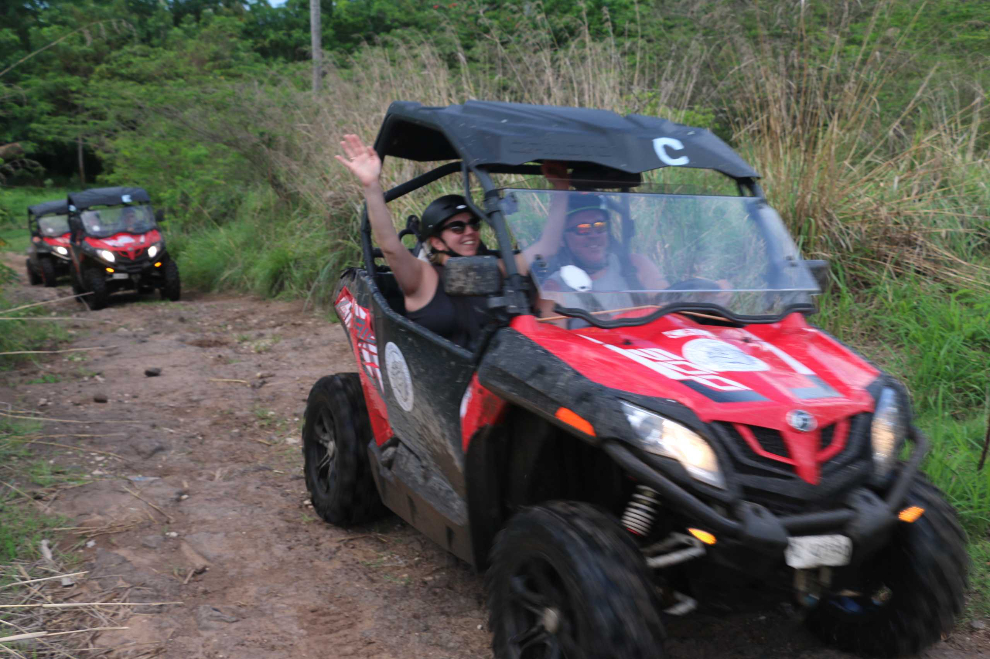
(119, 242)
(788, 366)
(57, 241)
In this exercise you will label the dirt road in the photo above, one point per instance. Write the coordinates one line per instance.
(206, 493)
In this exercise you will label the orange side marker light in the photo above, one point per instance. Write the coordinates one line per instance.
(158, 264)
(572, 419)
(109, 269)
(911, 514)
(704, 536)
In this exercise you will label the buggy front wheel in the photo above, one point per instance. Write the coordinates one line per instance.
(48, 275)
(909, 594)
(99, 292)
(566, 580)
(33, 278)
(172, 288)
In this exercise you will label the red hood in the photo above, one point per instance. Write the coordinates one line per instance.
(57, 241)
(753, 376)
(128, 244)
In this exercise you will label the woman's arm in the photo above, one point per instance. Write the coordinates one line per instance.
(412, 274)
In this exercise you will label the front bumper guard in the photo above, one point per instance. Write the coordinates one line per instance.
(866, 518)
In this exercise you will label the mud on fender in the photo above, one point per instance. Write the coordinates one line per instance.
(528, 375)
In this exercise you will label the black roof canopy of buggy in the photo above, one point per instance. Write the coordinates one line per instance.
(57, 207)
(485, 133)
(107, 197)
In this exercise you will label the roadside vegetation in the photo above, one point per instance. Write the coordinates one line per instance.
(868, 120)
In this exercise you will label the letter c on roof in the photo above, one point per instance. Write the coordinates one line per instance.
(661, 144)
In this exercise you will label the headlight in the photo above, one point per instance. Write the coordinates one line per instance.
(61, 250)
(106, 255)
(668, 438)
(886, 432)
(152, 251)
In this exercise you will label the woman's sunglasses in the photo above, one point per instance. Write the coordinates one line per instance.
(459, 226)
(589, 228)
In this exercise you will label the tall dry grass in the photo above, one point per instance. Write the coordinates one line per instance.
(872, 187)
(908, 193)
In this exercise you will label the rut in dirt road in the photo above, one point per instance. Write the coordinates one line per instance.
(205, 502)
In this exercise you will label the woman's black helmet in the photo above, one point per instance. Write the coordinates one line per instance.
(438, 212)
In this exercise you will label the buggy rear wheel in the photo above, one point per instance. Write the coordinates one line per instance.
(47, 271)
(336, 434)
(33, 277)
(567, 581)
(909, 594)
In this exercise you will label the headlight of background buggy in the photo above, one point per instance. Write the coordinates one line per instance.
(61, 250)
(106, 255)
(153, 251)
(670, 439)
(887, 432)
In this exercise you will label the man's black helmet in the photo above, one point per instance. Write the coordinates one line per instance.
(586, 201)
(438, 212)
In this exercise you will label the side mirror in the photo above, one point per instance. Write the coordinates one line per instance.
(159, 216)
(819, 269)
(472, 275)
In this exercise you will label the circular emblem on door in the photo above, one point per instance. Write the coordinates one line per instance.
(398, 376)
(801, 421)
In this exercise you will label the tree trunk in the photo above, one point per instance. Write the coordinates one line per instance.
(316, 43)
(82, 164)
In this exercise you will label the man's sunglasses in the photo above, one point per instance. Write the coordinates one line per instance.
(459, 226)
(589, 228)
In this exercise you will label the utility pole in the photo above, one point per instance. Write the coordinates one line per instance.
(82, 162)
(316, 43)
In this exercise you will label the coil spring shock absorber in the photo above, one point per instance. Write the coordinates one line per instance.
(641, 511)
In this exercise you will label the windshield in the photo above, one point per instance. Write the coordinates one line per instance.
(54, 225)
(623, 255)
(105, 222)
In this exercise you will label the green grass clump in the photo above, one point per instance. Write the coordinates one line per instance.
(14, 202)
(937, 342)
(22, 526)
(269, 250)
(18, 335)
(979, 578)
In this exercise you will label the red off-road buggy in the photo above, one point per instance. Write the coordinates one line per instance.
(48, 253)
(611, 461)
(116, 245)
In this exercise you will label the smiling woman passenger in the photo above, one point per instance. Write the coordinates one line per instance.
(448, 229)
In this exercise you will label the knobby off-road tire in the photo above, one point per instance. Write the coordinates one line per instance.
(33, 277)
(172, 288)
(47, 272)
(918, 582)
(336, 434)
(96, 285)
(566, 580)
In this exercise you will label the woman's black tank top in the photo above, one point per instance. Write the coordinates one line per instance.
(458, 319)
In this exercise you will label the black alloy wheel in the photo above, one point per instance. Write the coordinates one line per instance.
(336, 434)
(908, 595)
(33, 277)
(99, 292)
(172, 288)
(47, 272)
(567, 582)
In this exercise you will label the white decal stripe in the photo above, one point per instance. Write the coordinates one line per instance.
(787, 359)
